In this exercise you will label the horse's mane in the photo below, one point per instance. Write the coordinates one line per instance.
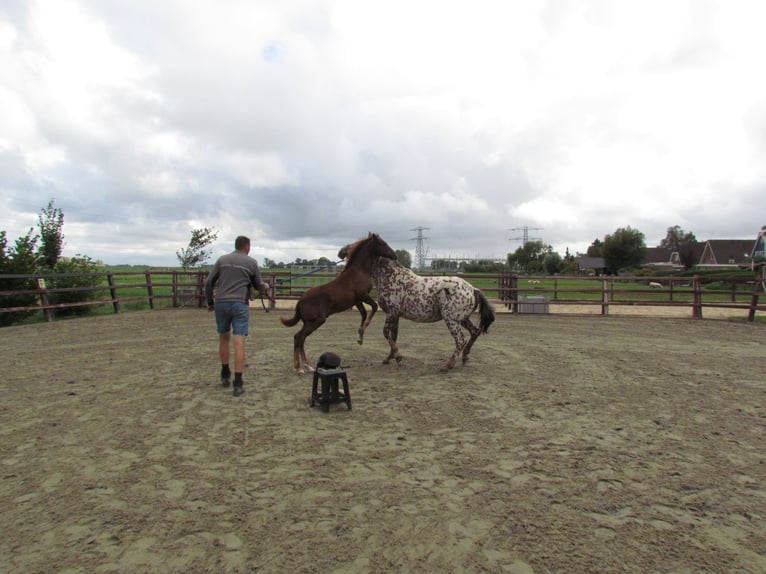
(355, 247)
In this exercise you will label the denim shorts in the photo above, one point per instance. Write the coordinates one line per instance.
(232, 315)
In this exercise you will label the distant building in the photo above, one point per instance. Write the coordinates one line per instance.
(723, 253)
(590, 265)
(710, 254)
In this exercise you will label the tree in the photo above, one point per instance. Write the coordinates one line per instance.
(683, 243)
(404, 258)
(596, 249)
(529, 257)
(51, 237)
(624, 249)
(552, 263)
(21, 259)
(196, 254)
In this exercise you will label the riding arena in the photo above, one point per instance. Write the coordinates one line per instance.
(565, 444)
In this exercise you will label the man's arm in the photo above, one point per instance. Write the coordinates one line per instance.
(210, 283)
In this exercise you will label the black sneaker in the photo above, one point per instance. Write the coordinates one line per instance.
(225, 381)
(239, 390)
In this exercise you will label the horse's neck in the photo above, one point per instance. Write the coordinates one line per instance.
(385, 270)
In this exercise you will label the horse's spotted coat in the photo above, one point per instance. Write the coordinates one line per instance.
(402, 293)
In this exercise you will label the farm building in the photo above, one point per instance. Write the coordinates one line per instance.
(710, 254)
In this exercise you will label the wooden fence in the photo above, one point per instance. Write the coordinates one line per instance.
(515, 292)
(518, 291)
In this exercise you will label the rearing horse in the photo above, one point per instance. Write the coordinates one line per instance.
(351, 287)
(403, 293)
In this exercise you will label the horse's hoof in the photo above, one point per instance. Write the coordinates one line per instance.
(399, 359)
(444, 369)
(360, 341)
(386, 361)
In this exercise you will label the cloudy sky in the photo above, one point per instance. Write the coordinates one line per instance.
(306, 124)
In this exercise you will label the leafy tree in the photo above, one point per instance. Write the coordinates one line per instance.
(624, 249)
(51, 237)
(404, 258)
(552, 263)
(529, 257)
(682, 242)
(196, 253)
(21, 259)
(596, 249)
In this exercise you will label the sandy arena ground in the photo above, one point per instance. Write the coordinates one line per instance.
(567, 444)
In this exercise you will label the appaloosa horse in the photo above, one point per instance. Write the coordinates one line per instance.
(402, 293)
(351, 287)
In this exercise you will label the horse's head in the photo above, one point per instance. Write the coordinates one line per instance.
(381, 248)
(372, 244)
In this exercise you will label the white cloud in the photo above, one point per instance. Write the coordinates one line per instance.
(308, 124)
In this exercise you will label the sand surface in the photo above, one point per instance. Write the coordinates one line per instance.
(566, 444)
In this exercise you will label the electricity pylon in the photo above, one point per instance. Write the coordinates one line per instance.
(420, 250)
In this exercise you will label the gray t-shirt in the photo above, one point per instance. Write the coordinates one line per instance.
(234, 274)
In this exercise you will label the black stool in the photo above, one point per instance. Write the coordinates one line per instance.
(330, 394)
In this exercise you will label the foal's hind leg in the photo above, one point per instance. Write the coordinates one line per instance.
(457, 334)
(475, 332)
(299, 352)
(363, 313)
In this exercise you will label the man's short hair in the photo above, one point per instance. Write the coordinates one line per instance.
(241, 242)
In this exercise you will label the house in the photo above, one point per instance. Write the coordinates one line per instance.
(590, 265)
(725, 253)
(759, 248)
(667, 259)
(710, 254)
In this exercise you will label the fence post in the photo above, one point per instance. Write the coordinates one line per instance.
(604, 297)
(113, 292)
(200, 294)
(149, 289)
(759, 289)
(175, 288)
(44, 299)
(697, 304)
(514, 293)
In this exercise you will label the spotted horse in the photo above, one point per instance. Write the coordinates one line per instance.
(403, 293)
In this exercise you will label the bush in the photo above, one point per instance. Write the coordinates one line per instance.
(79, 264)
(18, 260)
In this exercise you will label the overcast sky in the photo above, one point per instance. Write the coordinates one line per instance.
(306, 124)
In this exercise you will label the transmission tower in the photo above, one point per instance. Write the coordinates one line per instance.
(420, 250)
(525, 238)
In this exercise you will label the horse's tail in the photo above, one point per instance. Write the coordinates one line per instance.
(296, 317)
(486, 312)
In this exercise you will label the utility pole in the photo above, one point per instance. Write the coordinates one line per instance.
(525, 238)
(420, 250)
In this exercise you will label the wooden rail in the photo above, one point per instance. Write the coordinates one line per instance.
(186, 289)
(620, 291)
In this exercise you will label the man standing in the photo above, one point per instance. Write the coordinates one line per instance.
(234, 274)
